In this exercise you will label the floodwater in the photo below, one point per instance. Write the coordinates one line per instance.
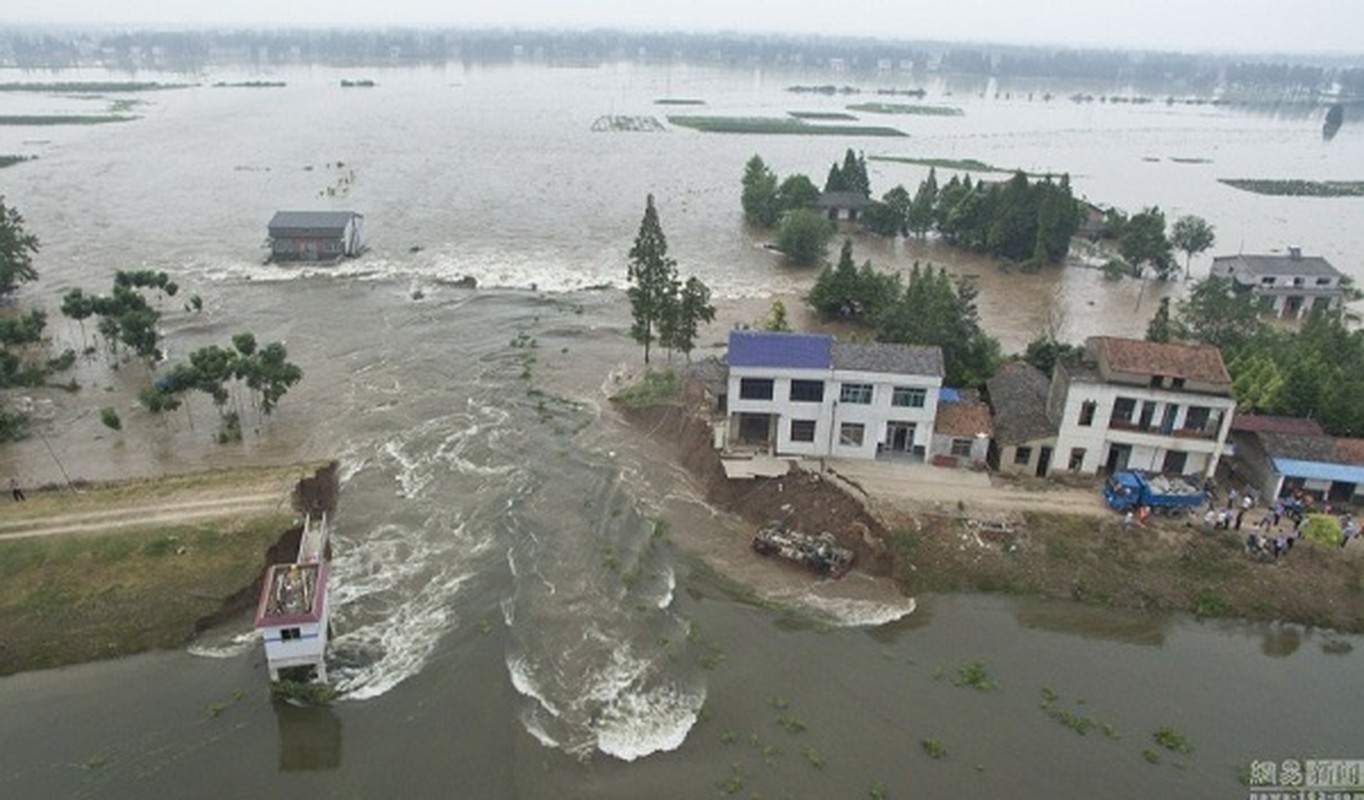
(531, 600)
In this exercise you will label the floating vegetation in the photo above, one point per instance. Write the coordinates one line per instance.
(963, 164)
(87, 87)
(1179, 160)
(826, 88)
(934, 747)
(62, 119)
(823, 115)
(1296, 188)
(1173, 740)
(1337, 647)
(616, 123)
(678, 101)
(9, 161)
(813, 756)
(250, 85)
(974, 675)
(777, 125)
(362, 83)
(906, 108)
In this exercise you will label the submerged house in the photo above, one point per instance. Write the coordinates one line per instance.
(1288, 286)
(315, 235)
(293, 612)
(807, 394)
(842, 206)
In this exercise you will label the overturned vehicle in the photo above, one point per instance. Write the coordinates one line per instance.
(821, 554)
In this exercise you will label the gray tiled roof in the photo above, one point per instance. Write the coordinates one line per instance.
(1018, 393)
(842, 200)
(898, 359)
(1261, 266)
(330, 221)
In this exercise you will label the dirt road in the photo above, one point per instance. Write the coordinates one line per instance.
(188, 499)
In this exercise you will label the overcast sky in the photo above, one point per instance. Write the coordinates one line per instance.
(1310, 26)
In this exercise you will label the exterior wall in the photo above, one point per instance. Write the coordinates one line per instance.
(1148, 447)
(307, 649)
(831, 413)
(941, 450)
(1008, 454)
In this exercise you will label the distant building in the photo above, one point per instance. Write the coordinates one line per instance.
(809, 395)
(842, 206)
(1094, 223)
(1288, 286)
(1133, 404)
(1024, 436)
(315, 235)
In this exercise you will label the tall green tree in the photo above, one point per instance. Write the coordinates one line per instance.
(1161, 328)
(936, 310)
(797, 191)
(835, 293)
(1215, 313)
(776, 318)
(804, 235)
(691, 308)
(1191, 235)
(919, 218)
(17, 247)
(761, 204)
(653, 279)
(1142, 243)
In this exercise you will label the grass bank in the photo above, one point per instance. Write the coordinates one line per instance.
(145, 569)
(1168, 567)
(912, 109)
(956, 164)
(777, 125)
(9, 161)
(1296, 188)
(88, 87)
(62, 119)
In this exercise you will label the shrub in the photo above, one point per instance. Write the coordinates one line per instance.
(109, 416)
(1322, 529)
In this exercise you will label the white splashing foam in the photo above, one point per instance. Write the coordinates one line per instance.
(852, 613)
(237, 645)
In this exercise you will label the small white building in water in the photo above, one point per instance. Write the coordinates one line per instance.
(293, 612)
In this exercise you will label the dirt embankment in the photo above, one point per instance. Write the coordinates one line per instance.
(1097, 560)
(314, 495)
(806, 501)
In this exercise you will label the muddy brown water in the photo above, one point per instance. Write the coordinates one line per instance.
(509, 623)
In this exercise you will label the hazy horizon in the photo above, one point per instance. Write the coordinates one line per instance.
(1307, 27)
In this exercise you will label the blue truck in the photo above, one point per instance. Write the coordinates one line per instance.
(1128, 491)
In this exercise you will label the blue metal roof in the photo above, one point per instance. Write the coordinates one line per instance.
(949, 395)
(770, 349)
(1319, 470)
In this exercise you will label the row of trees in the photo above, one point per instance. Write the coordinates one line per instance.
(124, 314)
(931, 309)
(790, 205)
(1142, 242)
(665, 310)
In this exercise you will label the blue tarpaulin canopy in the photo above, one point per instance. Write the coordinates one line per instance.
(1319, 470)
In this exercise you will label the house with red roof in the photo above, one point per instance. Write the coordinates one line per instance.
(1130, 404)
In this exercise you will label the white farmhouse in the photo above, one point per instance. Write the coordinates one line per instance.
(1132, 404)
(1288, 286)
(806, 394)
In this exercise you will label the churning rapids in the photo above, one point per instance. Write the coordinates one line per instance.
(503, 577)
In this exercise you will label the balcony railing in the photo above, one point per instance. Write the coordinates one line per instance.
(1156, 430)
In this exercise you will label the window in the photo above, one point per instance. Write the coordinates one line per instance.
(1156, 381)
(1077, 459)
(1087, 409)
(1176, 383)
(807, 391)
(1023, 456)
(289, 634)
(1323, 281)
(1267, 281)
(755, 388)
(1123, 408)
(850, 434)
(802, 430)
(908, 397)
(1196, 418)
(859, 393)
(961, 448)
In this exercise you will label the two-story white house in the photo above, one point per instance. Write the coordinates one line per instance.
(1133, 404)
(807, 394)
(1288, 286)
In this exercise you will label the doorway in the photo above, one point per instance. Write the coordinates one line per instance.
(1118, 457)
(1043, 462)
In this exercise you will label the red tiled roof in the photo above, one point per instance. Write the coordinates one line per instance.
(1195, 362)
(1268, 423)
(963, 419)
(1351, 451)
